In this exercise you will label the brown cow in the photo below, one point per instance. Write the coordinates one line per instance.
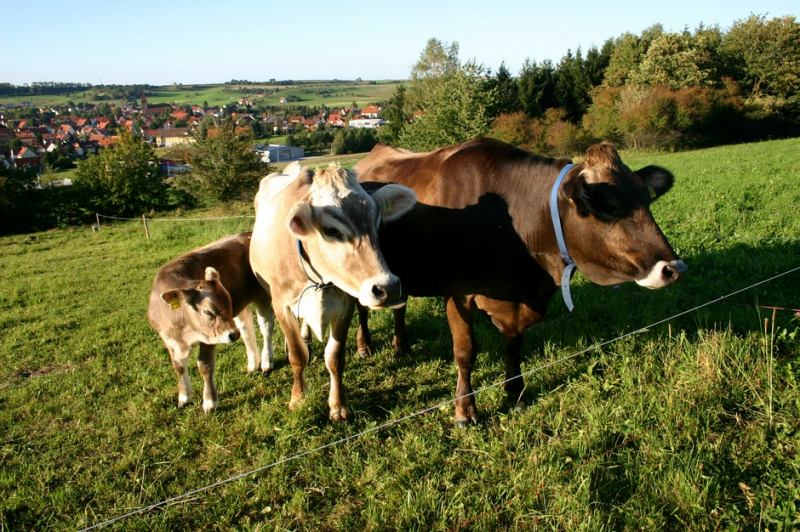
(203, 297)
(482, 236)
(315, 250)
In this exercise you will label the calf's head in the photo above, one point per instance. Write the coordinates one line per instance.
(338, 227)
(608, 227)
(207, 306)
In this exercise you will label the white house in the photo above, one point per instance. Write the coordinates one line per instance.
(366, 123)
(278, 153)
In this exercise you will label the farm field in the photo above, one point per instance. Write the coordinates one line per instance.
(676, 409)
(310, 93)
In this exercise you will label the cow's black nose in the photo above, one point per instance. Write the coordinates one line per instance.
(379, 293)
(674, 270)
(233, 336)
(387, 292)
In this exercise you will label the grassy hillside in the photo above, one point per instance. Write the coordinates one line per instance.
(311, 93)
(689, 424)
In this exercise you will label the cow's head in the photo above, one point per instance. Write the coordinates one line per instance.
(338, 228)
(609, 230)
(207, 304)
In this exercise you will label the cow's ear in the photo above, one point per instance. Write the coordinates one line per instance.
(658, 180)
(394, 201)
(176, 297)
(300, 221)
(576, 191)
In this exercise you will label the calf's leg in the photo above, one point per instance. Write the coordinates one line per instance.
(179, 354)
(244, 322)
(206, 363)
(266, 323)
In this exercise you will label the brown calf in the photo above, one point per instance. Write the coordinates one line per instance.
(203, 297)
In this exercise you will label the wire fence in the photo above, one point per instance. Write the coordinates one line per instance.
(442, 404)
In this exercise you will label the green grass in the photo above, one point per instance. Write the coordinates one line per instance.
(693, 424)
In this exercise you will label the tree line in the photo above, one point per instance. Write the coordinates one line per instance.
(658, 89)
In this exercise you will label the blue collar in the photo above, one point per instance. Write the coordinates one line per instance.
(562, 246)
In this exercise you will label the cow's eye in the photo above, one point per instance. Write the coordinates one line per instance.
(332, 232)
(209, 314)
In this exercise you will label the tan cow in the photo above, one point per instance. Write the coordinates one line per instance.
(315, 250)
(204, 297)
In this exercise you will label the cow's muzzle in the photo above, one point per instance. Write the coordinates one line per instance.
(388, 293)
(663, 274)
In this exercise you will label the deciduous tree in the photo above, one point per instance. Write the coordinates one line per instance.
(123, 179)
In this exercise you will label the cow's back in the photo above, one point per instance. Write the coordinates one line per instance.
(470, 231)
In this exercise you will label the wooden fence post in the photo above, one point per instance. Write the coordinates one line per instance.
(97, 216)
(146, 230)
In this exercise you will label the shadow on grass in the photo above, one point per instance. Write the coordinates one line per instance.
(602, 314)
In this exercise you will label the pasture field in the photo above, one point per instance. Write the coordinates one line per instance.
(689, 422)
(330, 93)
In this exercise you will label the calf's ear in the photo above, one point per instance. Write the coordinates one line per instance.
(658, 180)
(394, 201)
(212, 274)
(176, 297)
(300, 220)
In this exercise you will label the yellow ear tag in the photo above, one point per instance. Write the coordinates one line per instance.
(653, 194)
(175, 303)
(388, 207)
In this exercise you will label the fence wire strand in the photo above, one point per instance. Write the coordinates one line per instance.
(438, 406)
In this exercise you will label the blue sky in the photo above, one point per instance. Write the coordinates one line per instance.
(201, 41)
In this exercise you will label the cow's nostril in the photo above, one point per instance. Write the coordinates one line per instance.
(674, 269)
(233, 336)
(379, 293)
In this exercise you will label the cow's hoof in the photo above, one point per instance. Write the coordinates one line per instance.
(183, 400)
(340, 414)
(398, 350)
(209, 406)
(294, 404)
(465, 423)
(364, 352)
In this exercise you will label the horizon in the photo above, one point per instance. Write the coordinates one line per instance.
(189, 45)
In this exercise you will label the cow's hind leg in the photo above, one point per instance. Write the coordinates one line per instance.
(206, 363)
(335, 362)
(459, 316)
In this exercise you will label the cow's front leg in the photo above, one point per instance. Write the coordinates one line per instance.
(297, 353)
(335, 362)
(206, 363)
(400, 340)
(514, 386)
(179, 354)
(363, 337)
(459, 316)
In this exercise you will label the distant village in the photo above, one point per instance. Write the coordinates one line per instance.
(59, 132)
